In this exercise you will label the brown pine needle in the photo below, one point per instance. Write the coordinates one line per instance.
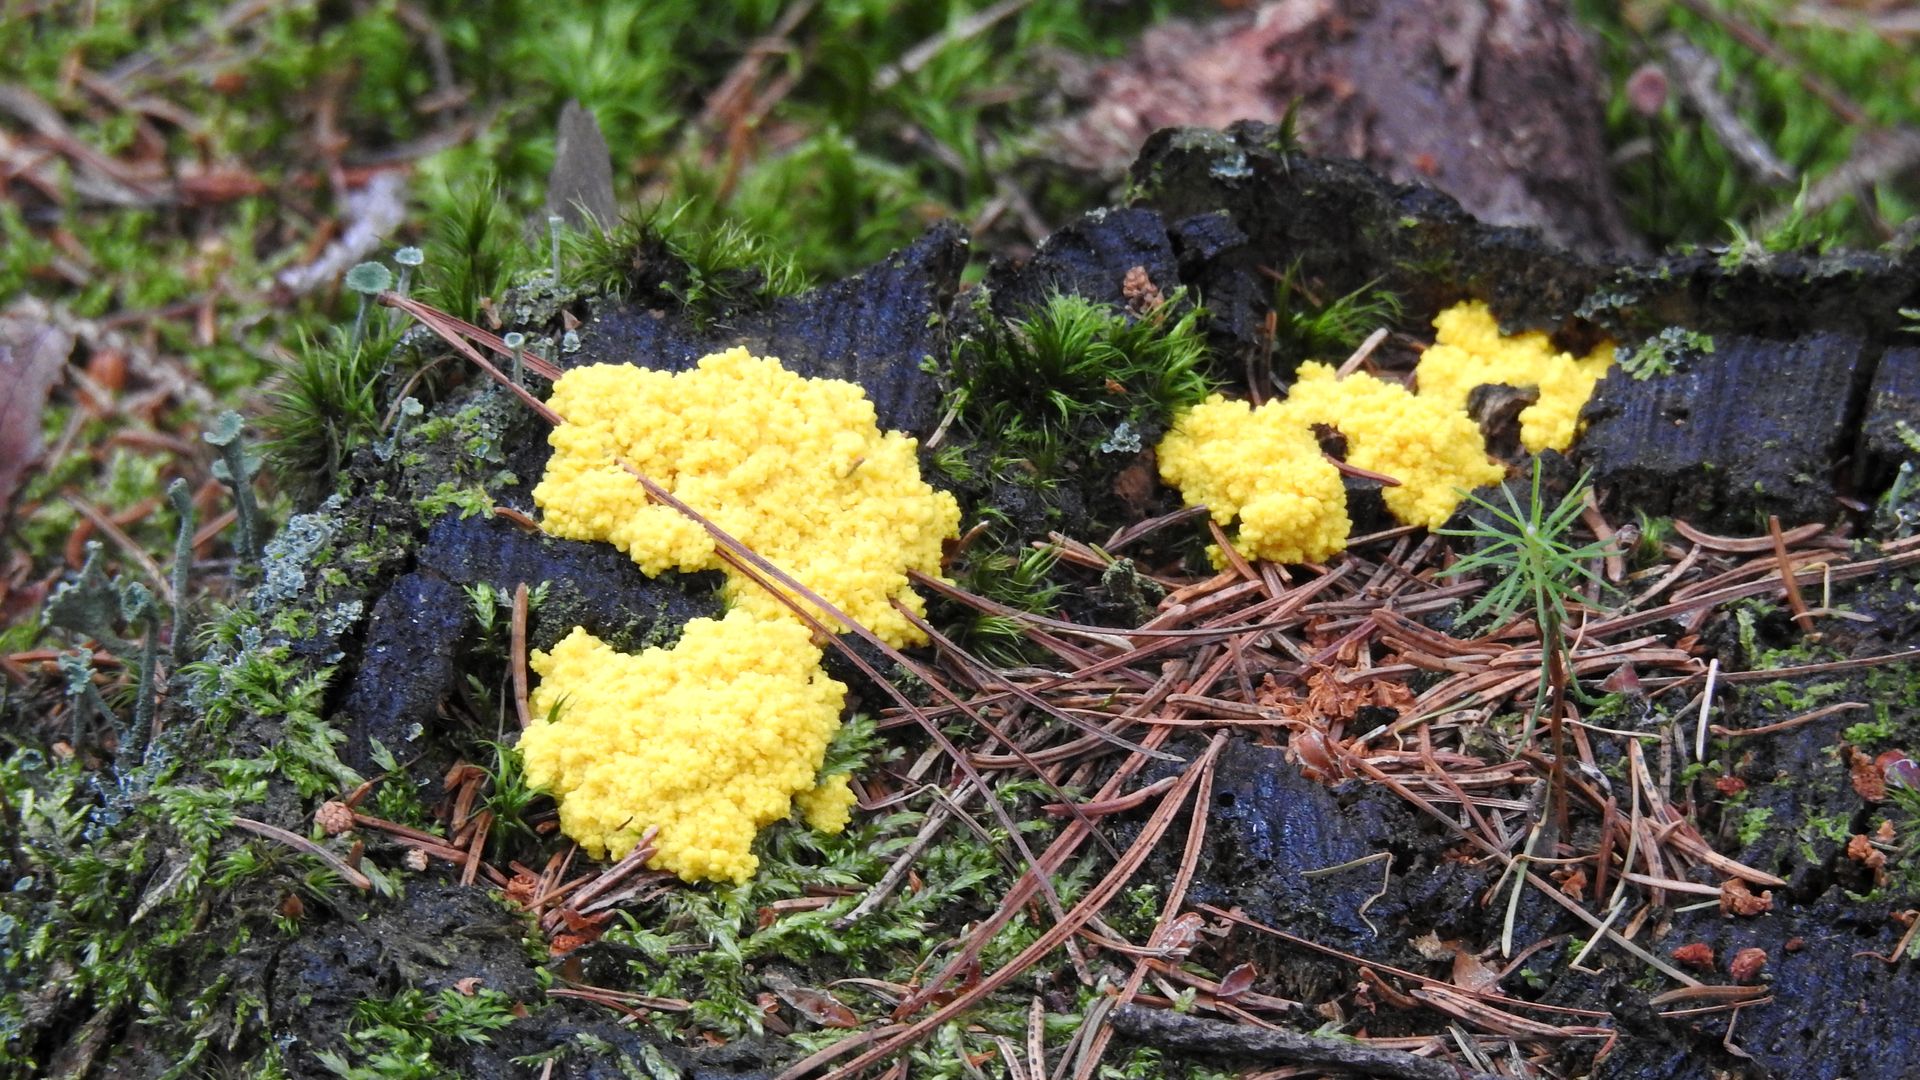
(517, 658)
(274, 832)
(1097, 899)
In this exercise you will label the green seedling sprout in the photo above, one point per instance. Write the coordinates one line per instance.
(236, 469)
(368, 279)
(555, 223)
(180, 494)
(1531, 564)
(517, 342)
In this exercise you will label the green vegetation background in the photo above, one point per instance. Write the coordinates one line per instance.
(276, 107)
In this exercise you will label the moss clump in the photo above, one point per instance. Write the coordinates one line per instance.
(1665, 353)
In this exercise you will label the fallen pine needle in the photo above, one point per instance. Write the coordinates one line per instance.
(274, 832)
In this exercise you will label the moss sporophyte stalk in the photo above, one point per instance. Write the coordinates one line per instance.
(724, 733)
(1264, 466)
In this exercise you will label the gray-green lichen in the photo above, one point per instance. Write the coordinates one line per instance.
(291, 554)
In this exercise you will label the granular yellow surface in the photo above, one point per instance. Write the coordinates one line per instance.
(1468, 351)
(724, 733)
(1262, 467)
(796, 469)
(1265, 467)
(710, 740)
(1434, 451)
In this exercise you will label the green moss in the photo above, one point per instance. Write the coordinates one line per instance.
(1686, 182)
(1752, 825)
(329, 403)
(1029, 394)
(407, 1036)
(1329, 330)
(707, 268)
(1832, 827)
(710, 945)
(1665, 353)
(1871, 733)
(110, 892)
(470, 501)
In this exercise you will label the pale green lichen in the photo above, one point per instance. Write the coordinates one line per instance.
(1666, 352)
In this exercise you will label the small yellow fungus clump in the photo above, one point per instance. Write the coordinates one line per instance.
(1262, 467)
(1265, 466)
(1469, 351)
(828, 806)
(710, 740)
(725, 733)
(794, 468)
(1432, 450)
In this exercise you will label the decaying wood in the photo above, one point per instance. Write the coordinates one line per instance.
(1214, 1038)
(1522, 148)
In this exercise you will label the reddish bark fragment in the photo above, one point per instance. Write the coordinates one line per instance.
(1695, 954)
(1747, 964)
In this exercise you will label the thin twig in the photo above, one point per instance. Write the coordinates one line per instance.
(922, 54)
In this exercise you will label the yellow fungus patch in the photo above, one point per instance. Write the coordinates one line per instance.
(1265, 468)
(1432, 450)
(1469, 351)
(827, 806)
(724, 733)
(710, 740)
(794, 468)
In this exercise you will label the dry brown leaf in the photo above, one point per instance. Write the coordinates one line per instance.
(1430, 947)
(520, 888)
(818, 1006)
(32, 356)
(1573, 882)
(1474, 974)
(1237, 981)
(1860, 849)
(1328, 700)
